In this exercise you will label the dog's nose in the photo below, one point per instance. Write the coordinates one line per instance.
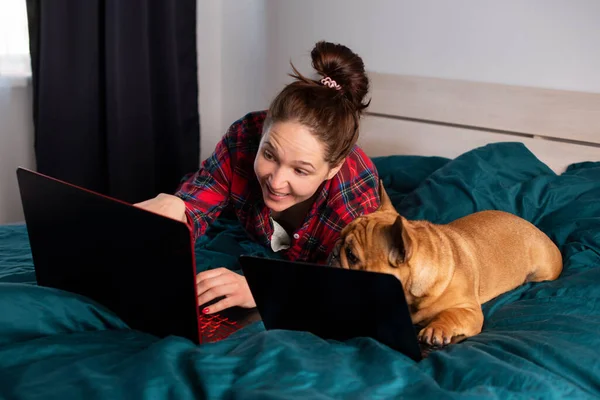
(334, 257)
(334, 260)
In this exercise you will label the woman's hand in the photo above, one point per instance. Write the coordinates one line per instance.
(223, 282)
(166, 205)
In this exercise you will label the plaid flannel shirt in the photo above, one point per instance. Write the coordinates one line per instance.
(227, 178)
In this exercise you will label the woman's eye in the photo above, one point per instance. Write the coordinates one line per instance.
(301, 172)
(350, 256)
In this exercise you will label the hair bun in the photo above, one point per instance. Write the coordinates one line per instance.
(331, 112)
(345, 67)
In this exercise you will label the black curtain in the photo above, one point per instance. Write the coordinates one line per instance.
(115, 93)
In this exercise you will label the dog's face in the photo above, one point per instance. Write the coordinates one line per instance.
(374, 242)
(384, 241)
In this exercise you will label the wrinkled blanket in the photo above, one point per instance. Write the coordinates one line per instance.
(541, 340)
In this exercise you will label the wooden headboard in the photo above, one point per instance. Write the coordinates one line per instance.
(442, 117)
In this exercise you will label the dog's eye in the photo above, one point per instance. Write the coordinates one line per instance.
(351, 257)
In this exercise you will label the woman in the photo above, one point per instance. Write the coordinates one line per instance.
(293, 174)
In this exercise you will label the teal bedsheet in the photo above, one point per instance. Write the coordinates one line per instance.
(541, 340)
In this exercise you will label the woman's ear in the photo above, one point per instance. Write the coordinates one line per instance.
(335, 170)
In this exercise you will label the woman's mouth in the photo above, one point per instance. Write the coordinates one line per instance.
(275, 194)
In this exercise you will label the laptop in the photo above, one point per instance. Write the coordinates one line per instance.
(138, 264)
(333, 303)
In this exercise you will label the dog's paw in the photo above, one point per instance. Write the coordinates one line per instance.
(436, 335)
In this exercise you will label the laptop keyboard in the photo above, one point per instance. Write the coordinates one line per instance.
(214, 327)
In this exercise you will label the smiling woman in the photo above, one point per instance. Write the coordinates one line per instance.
(293, 174)
(290, 166)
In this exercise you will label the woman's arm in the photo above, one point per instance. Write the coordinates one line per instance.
(206, 192)
(202, 196)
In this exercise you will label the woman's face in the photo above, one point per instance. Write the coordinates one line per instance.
(290, 165)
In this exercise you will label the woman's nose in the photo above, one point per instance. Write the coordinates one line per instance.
(278, 179)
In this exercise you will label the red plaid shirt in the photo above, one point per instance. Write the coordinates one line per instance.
(227, 178)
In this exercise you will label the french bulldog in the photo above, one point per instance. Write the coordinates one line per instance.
(448, 271)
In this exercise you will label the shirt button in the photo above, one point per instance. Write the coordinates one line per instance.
(296, 236)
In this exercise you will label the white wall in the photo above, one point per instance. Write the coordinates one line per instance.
(16, 146)
(209, 46)
(232, 61)
(541, 43)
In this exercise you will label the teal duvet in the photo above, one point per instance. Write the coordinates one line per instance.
(541, 340)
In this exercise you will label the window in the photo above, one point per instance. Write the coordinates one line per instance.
(14, 39)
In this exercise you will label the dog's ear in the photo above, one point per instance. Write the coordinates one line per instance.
(385, 202)
(423, 275)
(401, 243)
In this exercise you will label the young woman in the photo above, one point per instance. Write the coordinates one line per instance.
(293, 174)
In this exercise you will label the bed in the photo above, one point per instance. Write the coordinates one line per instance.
(540, 340)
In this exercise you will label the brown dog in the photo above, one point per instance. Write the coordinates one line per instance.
(448, 271)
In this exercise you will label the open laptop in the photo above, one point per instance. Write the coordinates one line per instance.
(138, 264)
(333, 303)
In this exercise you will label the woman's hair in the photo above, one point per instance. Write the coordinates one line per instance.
(331, 110)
